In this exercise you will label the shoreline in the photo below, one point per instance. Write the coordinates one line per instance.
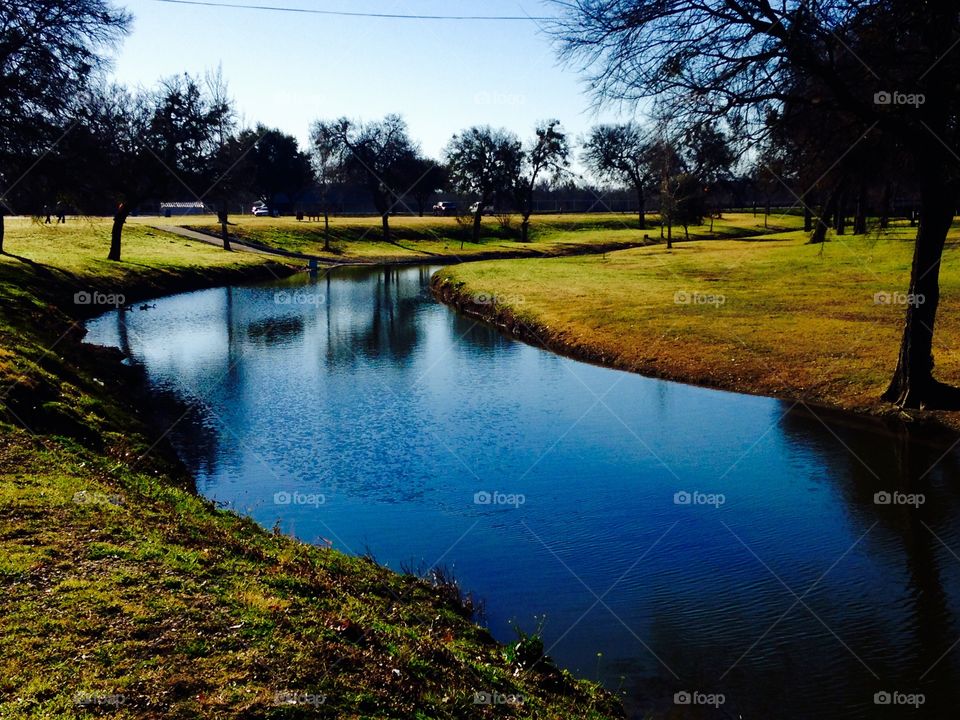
(884, 418)
(206, 589)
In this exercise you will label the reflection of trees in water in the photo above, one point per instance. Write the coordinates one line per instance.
(915, 626)
(193, 438)
(275, 331)
(901, 458)
(372, 314)
(477, 334)
(392, 332)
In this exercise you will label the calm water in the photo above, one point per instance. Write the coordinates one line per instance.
(355, 410)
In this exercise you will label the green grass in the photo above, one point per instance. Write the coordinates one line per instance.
(123, 593)
(797, 320)
(439, 239)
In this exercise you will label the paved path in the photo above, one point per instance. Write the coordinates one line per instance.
(240, 244)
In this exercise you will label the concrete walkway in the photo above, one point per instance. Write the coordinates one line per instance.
(240, 244)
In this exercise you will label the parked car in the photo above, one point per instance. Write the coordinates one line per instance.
(262, 210)
(445, 208)
(487, 209)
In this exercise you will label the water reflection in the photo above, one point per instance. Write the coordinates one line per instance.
(799, 596)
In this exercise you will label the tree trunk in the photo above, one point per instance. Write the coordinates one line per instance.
(525, 228)
(807, 219)
(385, 221)
(116, 232)
(860, 219)
(670, 234)
(477, 219)
(840, 219)
(224, 232)
(913, 385)
(885, 207)
(823, 222)
(1, 231)
(642, 210)
(326, 229)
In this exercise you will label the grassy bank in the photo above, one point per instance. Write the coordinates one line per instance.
(124, 594)
(770, 315)
(433, 239)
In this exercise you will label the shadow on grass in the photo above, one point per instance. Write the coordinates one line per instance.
(944, 397)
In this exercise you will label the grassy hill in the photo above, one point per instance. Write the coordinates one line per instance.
(125, 594)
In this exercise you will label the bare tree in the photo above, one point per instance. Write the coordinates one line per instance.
(883, 66)
(548, 154)
(49, 51)
(622, 153)
(375, 154)
(328, 166)
(483, 164)
(227, 154)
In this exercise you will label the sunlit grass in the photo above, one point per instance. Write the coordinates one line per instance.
(430, 238)
(126, 595)
(772, 315)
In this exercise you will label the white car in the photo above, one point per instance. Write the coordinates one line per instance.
(445, 208)
(261, 210)
(487, 209)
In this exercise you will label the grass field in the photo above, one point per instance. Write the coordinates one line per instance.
(124, 594)
(431, 238)
(769, 315)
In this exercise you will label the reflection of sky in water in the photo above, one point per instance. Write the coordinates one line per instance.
(397, 412)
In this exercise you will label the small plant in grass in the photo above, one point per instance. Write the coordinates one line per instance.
(528, 650)
(505, 220)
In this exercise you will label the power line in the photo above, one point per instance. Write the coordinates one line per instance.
(344, 13)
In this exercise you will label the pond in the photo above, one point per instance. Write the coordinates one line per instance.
(677, 543)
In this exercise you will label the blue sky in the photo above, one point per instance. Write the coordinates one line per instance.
(288, 69)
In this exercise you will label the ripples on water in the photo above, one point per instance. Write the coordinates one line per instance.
(798, 597)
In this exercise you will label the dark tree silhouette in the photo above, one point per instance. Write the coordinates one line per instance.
(547, 154)
(278, 165)
(49, 51)
(483, 164)
(377, 155)
(424, 178)
(329, 166)
(622, 153)
(858, 61)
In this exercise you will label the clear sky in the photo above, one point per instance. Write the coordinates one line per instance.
(288, 69)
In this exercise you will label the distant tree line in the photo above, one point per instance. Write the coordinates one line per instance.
(69, 138)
